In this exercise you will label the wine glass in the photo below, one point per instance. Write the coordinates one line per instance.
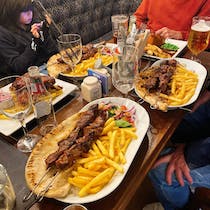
(16, 104)
(70, 48)
(198, 39)
(124, 69)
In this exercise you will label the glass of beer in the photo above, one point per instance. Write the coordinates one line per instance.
(117, 21)
(198, 39)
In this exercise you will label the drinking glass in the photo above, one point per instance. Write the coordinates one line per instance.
(117, 21)
(198, 39)
(124, 69)
(70, 48)
(16, 104)
(7, 193)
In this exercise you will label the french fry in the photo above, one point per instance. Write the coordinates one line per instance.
(95, 181)
(112, 142)
(86, 171)
(94, 163)
(130, 133)
(108, 128)
(115, 165)
(110, 120)
(85, 160)
(106, 156)
(122, 142)
(183, 86)
(127, 142)
(96, 150)
(102, 148)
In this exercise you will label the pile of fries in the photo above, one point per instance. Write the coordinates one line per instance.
(107, 155)
(151, 49)
(81, 68)
(183, 86)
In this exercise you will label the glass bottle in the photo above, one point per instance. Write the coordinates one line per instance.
(42, 102)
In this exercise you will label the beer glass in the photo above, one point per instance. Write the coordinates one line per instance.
(198, 39)
(117, 21)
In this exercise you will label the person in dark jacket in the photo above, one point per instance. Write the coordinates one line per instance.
(21, 43)
(187, 164)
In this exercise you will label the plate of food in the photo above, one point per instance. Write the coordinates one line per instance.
(100, 143)
(59, 89)
(90, 54)
(170, 48)
(171, 83)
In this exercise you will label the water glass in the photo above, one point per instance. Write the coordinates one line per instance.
(70, 48)
(124, 69)
(7, 193)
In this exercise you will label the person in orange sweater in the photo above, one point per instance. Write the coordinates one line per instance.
(171, 19)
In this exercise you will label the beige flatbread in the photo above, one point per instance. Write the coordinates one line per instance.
(154, 100)
(54, 67)
(36, 167)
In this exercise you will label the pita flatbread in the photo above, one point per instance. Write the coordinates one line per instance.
(54, 67)
(154, 100)
(36, 166)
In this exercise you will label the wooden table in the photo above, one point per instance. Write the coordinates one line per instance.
(120, 198)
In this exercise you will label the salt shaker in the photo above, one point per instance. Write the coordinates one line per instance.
(91, 88)
(7, 193)
(42, 102)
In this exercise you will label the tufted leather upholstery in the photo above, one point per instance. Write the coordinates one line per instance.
(90, 18)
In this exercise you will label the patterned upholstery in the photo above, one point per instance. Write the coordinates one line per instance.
(89, 18)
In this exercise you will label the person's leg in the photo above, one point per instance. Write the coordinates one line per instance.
(175, 196)
(171, 196)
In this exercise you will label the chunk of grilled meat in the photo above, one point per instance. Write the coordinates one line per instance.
(156, 79)
(84, 143)
(48, 81)
(85, 119)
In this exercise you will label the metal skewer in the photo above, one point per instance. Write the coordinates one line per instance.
(41, 195)
(28, 195)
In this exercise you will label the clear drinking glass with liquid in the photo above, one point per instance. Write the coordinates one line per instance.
(199, 36)
(124, 69)
(7, 193)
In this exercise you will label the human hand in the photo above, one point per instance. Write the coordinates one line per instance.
(168, 33)
(35, 28)
(201, 100)
(48, 18)
(176, 164)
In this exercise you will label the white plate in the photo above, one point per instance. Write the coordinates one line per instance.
(179, 43)
(193, 66)
(78, 77)
(8, 127)
(142, 123)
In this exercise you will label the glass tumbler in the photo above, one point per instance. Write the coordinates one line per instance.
(7, 193)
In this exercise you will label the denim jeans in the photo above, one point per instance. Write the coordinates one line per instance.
(175, 196)
(194, 130)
